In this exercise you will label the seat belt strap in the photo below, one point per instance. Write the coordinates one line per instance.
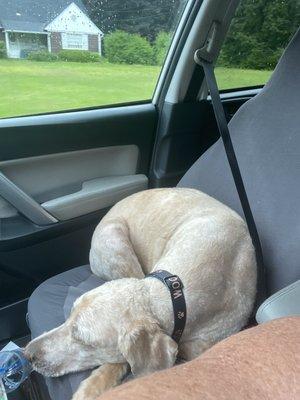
(235, 170)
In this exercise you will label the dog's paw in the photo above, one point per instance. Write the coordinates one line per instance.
(101, 379)
(86, 391)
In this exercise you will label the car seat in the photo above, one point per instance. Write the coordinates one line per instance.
(266, 136)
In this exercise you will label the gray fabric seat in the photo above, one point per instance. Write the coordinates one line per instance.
(49, 306)
(266, 136)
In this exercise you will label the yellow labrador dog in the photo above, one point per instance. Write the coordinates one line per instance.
(128, 321)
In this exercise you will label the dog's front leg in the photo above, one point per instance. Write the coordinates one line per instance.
(103, 378)
(112, 255)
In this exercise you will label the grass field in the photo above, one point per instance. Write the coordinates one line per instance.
(29, 87)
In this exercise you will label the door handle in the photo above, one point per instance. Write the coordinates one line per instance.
(25, 204)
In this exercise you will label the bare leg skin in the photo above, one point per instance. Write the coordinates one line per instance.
(103, 378)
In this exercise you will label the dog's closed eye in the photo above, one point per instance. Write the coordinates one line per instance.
(75, 333)
(85, 330)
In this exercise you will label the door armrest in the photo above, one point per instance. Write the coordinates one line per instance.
(94, 195)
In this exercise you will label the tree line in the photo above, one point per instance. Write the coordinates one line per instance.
(258, 34)
(144, 17)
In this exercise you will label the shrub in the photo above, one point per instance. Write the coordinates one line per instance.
(246, 52)
(236, 51)
(2, 50)
(78, 56)
(262, 57)
(126, 48)
(42, 56)
(161, 47)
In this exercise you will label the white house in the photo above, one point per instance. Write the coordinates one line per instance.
(53, 25)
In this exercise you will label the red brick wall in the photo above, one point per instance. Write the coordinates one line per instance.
(55, 39)
(93, 43)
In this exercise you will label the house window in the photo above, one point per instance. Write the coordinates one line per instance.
(72, 41)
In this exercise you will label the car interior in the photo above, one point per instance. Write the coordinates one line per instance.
(60, 172)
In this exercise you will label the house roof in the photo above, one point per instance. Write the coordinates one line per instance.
(32, 15)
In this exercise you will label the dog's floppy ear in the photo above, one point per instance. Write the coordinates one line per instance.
(146, 348)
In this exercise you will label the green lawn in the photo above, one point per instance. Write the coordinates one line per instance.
(29, 87)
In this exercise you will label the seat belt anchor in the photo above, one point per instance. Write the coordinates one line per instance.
(201, 56)
(206, 53)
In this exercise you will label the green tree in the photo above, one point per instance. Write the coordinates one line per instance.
(145, 17)
(161, 47)
(259, 32)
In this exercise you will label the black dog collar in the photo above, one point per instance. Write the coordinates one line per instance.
(175, 287)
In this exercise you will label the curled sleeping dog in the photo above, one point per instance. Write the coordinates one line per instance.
(129, 320)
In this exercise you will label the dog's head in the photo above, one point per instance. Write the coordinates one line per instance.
(110, 324)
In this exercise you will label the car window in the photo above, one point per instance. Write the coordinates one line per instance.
(258, 35)
(69, 54)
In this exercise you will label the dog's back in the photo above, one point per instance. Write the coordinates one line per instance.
(155, 217)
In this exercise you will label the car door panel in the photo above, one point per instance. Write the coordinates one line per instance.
(63, 132)
(53, 176)
(116, 142)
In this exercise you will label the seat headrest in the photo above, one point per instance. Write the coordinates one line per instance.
(287, 69)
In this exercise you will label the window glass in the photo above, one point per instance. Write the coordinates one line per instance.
(70, 54)
(258, 35)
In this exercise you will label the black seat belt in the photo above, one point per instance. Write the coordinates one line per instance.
(208, 68)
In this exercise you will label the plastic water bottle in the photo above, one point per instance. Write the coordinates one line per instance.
(14, 369)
